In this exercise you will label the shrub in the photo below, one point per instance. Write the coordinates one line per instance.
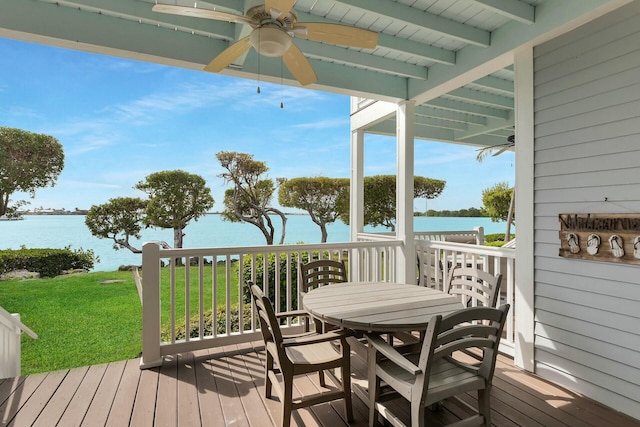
(496, 240)
(47, 262)
(282, 266)
(221, 325)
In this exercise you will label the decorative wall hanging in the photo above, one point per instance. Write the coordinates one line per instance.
(601, 237)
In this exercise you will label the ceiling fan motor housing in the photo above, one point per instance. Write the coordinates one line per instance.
(270, 40)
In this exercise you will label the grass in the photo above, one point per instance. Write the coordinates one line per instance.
(81, 322)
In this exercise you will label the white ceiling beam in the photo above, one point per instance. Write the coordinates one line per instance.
(141, 12)
(413, 48)
(465, 107)
(360, 59)
(503, 86)
(493, 125)
(455, 116)
(427, 21)
(482, 98)
(512, 9)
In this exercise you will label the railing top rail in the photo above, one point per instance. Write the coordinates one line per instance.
(247, 250)
(463, 247)
(10, 321)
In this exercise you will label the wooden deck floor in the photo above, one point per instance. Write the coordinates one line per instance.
(225, 387)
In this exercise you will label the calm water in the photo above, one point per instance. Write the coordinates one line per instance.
(58, 231)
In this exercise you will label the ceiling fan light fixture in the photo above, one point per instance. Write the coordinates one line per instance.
(270, 41)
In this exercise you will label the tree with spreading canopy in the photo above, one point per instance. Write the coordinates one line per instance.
(498, 202)
(175, 198)
(249, 199)
(28, 161)
(118, 220)
(380, 198)
(323, 198)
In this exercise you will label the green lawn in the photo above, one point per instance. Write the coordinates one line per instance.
(80, 321)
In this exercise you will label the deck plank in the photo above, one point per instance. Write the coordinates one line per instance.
(188, 406)
(38, 400)
(81, 399)
(59, 402)
(167, 398)
(21, 391)
(122, 407)
(251, 399)
(208, 396)
(225, 386)
(100, 406)
(144, 407)
(232, 409)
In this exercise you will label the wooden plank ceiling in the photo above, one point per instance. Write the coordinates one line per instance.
(453, 57)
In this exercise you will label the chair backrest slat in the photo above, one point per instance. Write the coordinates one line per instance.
(474, 284)
(322, 272)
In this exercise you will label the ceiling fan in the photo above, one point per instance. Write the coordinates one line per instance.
(274, 24)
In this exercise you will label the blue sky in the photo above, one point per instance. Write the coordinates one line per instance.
(120, 120)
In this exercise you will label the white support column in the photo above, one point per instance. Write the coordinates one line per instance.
(356, 196)
(151, 356)
(524, 287)
(406, 256)
(356, 213)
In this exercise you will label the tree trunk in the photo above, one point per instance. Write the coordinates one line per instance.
(177, 238)
(323, 229)
(507, 234)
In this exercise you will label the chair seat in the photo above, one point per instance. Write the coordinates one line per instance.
(314, 354)
(446, 378)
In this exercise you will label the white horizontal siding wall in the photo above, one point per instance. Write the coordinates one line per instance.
(587, 160)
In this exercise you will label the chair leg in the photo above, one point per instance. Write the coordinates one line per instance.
(321, 379)
(268, 367)
(417, 414)
(374, 396)
(484, 405)
(287, 400)
(346, 381)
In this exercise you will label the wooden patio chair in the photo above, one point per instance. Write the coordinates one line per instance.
(475, 287)
(321, 273)
(301, 355)
(440, 370)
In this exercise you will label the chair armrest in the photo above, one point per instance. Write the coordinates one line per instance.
(317, 338)
(392, 354)
(292, 313)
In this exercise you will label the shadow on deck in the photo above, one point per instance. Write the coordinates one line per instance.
(224, 386)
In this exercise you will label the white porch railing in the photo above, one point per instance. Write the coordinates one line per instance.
(10, 330)
(202, 307)
(436, 258)
(184, 304)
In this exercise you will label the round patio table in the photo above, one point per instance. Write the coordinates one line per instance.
(378, 306)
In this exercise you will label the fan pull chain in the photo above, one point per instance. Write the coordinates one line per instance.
(259, 63)
(281, 84)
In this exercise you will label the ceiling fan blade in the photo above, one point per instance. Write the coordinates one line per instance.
(278, 8)
(200, 13)
(336, 34)
(508, 147)
(227, 56)
(299, 65)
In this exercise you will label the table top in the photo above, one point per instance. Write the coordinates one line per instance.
(378, 307)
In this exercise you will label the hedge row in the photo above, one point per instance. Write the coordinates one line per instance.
(47, 262)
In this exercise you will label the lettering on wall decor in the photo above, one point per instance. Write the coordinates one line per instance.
(601, 237)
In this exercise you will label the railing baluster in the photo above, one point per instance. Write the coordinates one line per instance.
(187, 298)
(214, 296)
